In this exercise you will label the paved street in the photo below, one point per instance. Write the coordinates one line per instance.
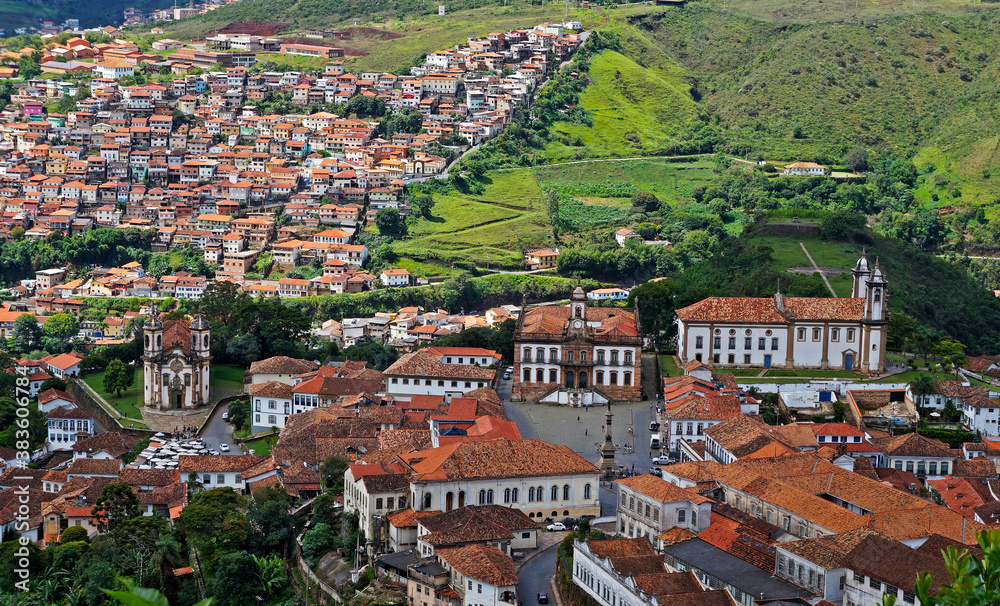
(534, 577)
(218, 431)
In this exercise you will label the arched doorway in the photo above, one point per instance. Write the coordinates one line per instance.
(461, 498)
(583, 379)
(448, 501)
(176, 399)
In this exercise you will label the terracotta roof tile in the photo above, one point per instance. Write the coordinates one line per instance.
(482, 562)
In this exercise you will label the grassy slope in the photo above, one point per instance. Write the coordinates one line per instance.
(895, 82)
(488, 228)
(635, 111)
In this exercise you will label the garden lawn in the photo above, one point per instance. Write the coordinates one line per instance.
(911, 375)
(130, 401)
(226, 376)
(669, 368)
(261, 446)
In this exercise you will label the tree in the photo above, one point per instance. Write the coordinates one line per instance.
(214, 523)
(62, 327)
(74, 534)
(388, 222)
(237, 580)
(324, 510)
(923, 385)
(856, 160)
(52, 383)
(331, 473)
(424, 203)
(239, 413)
(269, 523)
(116, 504)
(243, 349)
(118, 377)
(656, 306)
(27, 333)
(319, 540)
(842, 225)
(377, 354)
(974, 581)
(646, 201)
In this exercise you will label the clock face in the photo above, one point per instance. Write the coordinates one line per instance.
(578, 324)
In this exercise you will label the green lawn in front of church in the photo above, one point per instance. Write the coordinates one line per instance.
(130, 401)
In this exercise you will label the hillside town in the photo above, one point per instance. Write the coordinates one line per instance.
(221, 385)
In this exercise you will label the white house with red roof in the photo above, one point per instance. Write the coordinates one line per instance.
(68, 425)
(64, 366)
(50, 399)
(791, 332)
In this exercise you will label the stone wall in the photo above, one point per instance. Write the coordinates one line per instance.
(88, 400)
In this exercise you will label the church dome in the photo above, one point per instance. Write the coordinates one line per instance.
(199, 323)
(862, 264)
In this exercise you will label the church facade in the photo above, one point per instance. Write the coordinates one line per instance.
(176, 362)
(791, 332)
(577, 355)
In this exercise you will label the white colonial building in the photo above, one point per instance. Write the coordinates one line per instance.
(176, 363)
(791, 332)
(543, 480)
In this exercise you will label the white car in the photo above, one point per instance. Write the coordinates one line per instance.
(225, 415)
(224, 447)
(214, 453)
(662, 461)
(556, 526)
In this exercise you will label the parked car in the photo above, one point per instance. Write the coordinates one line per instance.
(213, 452)
(663, 460)
(225, 415)
(656, 471)
(543, 598)
(556, 526)
(654, 426)
(569, 523)
(224, 447)
(506, 376)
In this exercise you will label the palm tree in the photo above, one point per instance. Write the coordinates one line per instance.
(922, 386)
(166, 554)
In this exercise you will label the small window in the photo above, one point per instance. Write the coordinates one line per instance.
(732, 342)
(715, 359)
(746, 358)
(834, 334)
(748, 343)
(682, 516)
(761, 343)
(816, 334)
(774, 344)
(850, 335)
(717, 342)
(732, 358)
(802, 334)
